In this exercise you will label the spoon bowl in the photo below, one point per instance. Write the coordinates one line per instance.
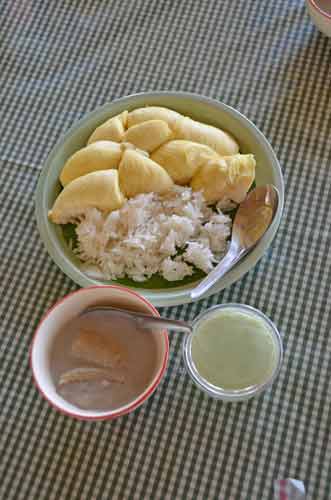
(254, 216)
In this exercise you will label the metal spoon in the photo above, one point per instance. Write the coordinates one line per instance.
(253, 217)
(141, 319)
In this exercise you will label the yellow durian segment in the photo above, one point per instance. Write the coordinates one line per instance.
(211, 179)
(227, 178)
(138, 174)
(98, 189)
(241, 174)
(100, 155)
(181, 159)
(148, 135)
(140, 115)
(127, 145)
(111, 130)
(215, 138)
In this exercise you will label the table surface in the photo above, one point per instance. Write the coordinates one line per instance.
(60, 60)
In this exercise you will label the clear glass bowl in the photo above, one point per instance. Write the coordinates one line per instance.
(224, 394)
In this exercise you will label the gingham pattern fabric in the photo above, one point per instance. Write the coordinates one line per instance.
(60, 60)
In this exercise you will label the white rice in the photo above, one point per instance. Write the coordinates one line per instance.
(166, 234)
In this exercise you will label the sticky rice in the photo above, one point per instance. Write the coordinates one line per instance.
(169, 234)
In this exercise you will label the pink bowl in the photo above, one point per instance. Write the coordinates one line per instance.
(319, 9)
(69, 307)
(320, 18)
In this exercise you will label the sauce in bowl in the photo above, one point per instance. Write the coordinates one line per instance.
(234, 350)
(101, 365)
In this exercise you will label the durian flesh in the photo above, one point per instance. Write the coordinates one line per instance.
(181, 159)
(138, 174)
(100, 155)
(221, 142)
(140, 115)
(98, 189)
(241, 175)
(227, 178)
(111, 130)
(148, 135)
(182, 151)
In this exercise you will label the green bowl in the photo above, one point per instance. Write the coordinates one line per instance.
(201, 108)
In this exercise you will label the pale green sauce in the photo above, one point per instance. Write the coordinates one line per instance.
(234, 350)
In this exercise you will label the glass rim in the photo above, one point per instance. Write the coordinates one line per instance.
(232, 394)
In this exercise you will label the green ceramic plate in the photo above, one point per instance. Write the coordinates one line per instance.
(201, 108)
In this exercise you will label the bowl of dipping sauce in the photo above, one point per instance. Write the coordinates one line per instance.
(234, 353)
(90, 369)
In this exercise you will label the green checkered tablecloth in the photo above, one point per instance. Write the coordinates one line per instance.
(61, 59)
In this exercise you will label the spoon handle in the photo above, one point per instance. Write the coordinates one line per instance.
(230, 259)
(144, 320)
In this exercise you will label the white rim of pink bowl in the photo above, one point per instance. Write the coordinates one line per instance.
(113, 414)
(320, 11)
